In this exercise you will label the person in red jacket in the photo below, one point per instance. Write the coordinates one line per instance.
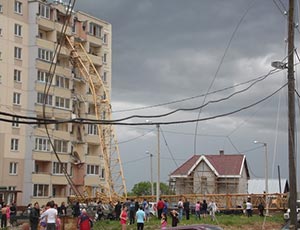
(84, 221)
(160, 206)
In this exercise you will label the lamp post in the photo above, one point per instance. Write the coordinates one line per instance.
(158, 165)
(266, 174)
(151, 172)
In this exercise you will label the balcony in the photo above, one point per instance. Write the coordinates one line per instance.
(38, 178)
(45, 23)
(45, 44)
(59, 179)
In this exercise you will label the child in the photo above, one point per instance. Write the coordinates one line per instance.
(163, 221)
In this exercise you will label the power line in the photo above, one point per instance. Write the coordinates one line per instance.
(114, 122)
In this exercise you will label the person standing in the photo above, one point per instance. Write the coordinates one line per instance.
(204, 208)
(163, 221)
(76, 209)
(160, 206)
(84, 221)
(118, 208)
(249, 207)
(212, 207)
(123, 217)
(3, 216)
(62, 210)
(34, 216)
(51, 216)
(197, 210)
(132, 212)
(174, 216)
(140, 218)
(180, 209)
(261, 209)
(186, 206)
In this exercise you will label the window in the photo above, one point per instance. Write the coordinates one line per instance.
(61, 146)
(104, 76)
(92, 170)
(92, 129)
(17, 75)
(1, 8)
(18, 30)
(104, 39)
(14, 144)
(18, 53)
(61, 102)
(58, 168)
(13, 166)
(95, 30)
(18, 7)
(104, 58)
(42, 144)
(15, 122)
(17, 98)
(62, 82)
(44, 11)
(40, 190)
(42, 100)
(45, 55)
(0, 32)
(43, 76)
(102, 175)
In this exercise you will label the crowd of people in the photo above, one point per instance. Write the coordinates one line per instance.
(129, 212)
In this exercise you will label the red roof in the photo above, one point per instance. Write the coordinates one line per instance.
(224, 165)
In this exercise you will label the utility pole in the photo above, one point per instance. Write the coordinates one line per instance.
(158, 166)
(291, 118)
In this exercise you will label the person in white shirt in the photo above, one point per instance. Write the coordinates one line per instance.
(249, 207)
(51, 215)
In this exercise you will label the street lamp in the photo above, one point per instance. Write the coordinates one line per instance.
(266, 174)
(158, 162)
(151, 172)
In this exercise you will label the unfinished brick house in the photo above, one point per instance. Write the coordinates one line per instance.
(211, 174)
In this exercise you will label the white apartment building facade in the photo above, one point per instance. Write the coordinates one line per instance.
(30, 31)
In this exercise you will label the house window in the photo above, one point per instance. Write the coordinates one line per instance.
(1, 32)
(41, 99)
(15, 123)
(18, 7)
(42, 144)
(1, 8)
(14, 144)
(61, 146)
(13, 168)
(59, 168)
(92, 129)
(44, 11)
(62, 82)
(17, 75)
(18, 53)
(92, 170)
(61, 102)
(43, 76)
(17, 98)
(40, 190)
(95, 30)
(45, 55)
(18, 30)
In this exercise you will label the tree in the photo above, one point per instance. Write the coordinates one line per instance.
(144, 189)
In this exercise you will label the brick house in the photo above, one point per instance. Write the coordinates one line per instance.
(211, 174)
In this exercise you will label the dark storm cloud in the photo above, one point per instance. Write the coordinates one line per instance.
(165, 50)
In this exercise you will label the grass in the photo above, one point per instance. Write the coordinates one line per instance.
(230, 222)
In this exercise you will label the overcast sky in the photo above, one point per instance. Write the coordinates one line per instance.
(171, 50)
